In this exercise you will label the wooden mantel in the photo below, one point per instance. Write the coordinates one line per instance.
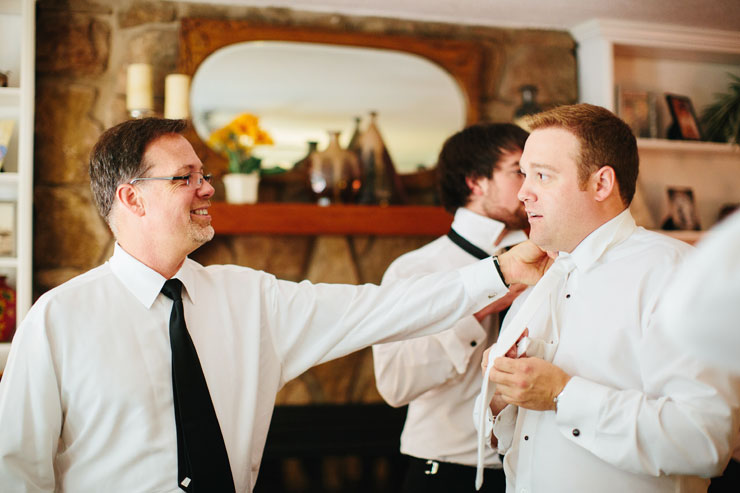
(309, 219)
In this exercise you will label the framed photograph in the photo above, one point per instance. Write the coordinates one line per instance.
(638, 110)
(7, 229)
(6, 132)
(682, 214)
(685, 124)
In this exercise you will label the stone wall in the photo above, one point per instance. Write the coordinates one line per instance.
(83, 49)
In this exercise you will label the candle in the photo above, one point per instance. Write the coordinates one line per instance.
(139, 87)
(176, 92)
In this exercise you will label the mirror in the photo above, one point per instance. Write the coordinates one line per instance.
(301, 91)
(444, 76)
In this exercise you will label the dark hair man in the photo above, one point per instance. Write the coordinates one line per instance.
(438, 375)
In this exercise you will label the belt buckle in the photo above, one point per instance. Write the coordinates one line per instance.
(433, 467)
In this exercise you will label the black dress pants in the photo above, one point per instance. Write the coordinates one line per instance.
(425, 476)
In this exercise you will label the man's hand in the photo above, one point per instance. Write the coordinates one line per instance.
(501, 303)
(510, 353)
(498, 403)
(525, 263)
(531, 383)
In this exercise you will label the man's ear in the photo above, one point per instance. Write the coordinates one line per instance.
(130, 199)
(603, 181)
(475, 186)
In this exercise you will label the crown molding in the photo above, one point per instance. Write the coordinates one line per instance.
(661, 36)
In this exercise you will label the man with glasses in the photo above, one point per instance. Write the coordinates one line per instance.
(154, 373)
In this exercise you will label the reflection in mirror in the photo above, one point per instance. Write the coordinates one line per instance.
(302, 91)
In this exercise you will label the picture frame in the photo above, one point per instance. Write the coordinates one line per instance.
(7, 229)
(685, 124)
(682, 214)
(639, 111)
(6, 133)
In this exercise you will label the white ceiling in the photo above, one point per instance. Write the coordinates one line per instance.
(550, 14)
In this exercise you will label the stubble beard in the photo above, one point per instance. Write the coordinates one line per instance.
(516, 220)
(519, 220)
(201, 234)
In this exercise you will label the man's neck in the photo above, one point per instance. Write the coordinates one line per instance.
(149, 256)
(504, 232)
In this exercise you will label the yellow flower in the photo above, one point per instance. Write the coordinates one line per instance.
(236, 140)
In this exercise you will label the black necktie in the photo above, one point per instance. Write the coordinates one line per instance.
(466, 245)
(202, 462)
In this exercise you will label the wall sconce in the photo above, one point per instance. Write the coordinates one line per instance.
(139, 97)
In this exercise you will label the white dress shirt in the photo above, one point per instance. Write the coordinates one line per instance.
(638, 415)
(438, 376)
(709, 283)
(86, 399)
(702, 305)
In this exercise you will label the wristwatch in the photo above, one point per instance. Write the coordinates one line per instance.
(557, 398)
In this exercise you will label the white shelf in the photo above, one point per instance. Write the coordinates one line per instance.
(659, 59)
(601, 42)
(17, 55)
(10, 96)
(687, 146)
(4, 351)
(14, 7)
(8, 262)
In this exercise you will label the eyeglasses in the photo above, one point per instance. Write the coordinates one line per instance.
(190, 182)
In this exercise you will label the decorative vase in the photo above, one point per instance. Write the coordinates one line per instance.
(7, 310)
(335, 173)
(241, 188)
(529, 106)
(381, 183)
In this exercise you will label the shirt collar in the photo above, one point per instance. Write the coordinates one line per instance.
(145, 283)
(600, 240)
(483, 231)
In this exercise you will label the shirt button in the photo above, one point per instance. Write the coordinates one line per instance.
(473, 343)
(576, 432)
(526, 437)
(567, 295)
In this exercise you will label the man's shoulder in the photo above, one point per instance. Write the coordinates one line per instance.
(218, 274)
(71, 293)
(432, 257)
(652, 246)
(81, 282)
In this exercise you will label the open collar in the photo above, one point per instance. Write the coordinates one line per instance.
(609, 234)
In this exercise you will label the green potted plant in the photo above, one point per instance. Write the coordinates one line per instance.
(721, 119)
(236, 141)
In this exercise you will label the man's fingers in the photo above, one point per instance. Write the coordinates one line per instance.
(504, 364)
(502, 379)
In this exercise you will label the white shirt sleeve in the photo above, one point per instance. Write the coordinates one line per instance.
(683, 421)
(360, 316)
(406, 369)
(30, 401)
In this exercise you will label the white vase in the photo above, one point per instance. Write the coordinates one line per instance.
(241, 188)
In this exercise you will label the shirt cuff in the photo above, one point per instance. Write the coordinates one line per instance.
(462, 341)
(482, 282)
(503, 427)
(579, 408)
